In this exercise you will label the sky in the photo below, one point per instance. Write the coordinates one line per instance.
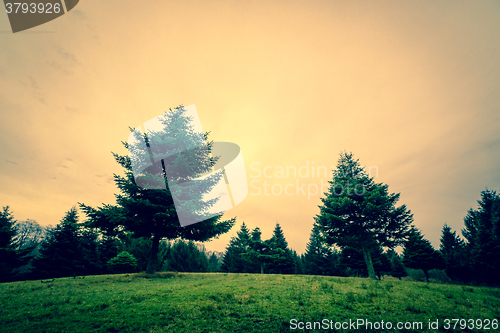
(411, 88)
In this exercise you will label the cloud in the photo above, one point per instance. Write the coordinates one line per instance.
(41, 100)
(409, 89)
(69, 57)
(64, 62)
(78, 14)
(493, 144)
(72, 109)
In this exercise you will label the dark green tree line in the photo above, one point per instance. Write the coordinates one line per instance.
(319, 258)
(476, 257)
(419, 254)
(9, 257)
(69, 250)
(248, 253)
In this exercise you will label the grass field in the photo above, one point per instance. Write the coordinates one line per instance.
(170, 302)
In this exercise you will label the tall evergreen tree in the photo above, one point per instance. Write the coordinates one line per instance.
(256, 255)
(89, 252)
(452, 249)
(359, 213)
(482, 232)
(319, 259)
(9, 258)
(66, 252)
(280, 258)
(108, 248)
(397, 268)
(186, 257)
(419, 254)
(232, 260)
(151, 213)
(213, 263)
(299, 264)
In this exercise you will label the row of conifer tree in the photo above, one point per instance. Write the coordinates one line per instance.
(355, 233)
(28, 251)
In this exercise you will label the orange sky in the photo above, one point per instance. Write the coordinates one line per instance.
(411, 88)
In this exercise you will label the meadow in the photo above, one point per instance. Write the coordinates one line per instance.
(218, 302)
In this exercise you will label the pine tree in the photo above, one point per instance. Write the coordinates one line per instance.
(319, 259)
(108, 248)
(299, 265)
(9, 258)
(278, 238)
(89, 252)
(256, 255)
(186, 257)
(280, 258)
(482, 232)
(419, 254)
(213, 263)
(397, 268)
(151, 213)
(62, 252)
(359, 213)
(451, 249)
(232, 261)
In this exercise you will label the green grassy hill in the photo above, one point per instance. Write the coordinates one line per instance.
(169, 302)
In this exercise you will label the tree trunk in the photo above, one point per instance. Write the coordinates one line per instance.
(153, 255)
(261, 268)
(369, 263)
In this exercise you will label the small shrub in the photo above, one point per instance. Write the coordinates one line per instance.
(124, 262)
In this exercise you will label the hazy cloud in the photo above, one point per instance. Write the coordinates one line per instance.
(410, 88)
